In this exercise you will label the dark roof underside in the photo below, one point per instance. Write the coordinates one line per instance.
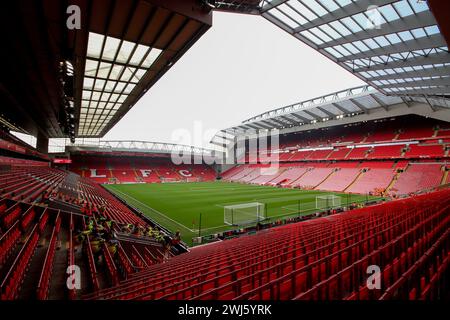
(51, 82)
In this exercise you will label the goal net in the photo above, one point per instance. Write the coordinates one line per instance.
(244, 213)
(328, 201)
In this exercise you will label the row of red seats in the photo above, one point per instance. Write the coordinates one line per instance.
(18, 220)
(34, 224)
(125, 262)
(114, 209)
(28, 184)
(418, 177)
(13, 279)
(10, 216)
(360, 153)
(289, 261)
(401, 129)
(22, 162)
(339, 180)
(284, 287)
(339, 285)
(110, 265)
(371, 180)
(92, 267)
(425, 151)
(138, 169)
(151, 175)
(47, 269)
(8, 241)
(357, 177)
(137, 259)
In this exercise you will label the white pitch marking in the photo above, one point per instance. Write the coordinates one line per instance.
(160, 213)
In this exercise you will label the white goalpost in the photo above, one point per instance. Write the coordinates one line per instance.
(328, 201)
(243, 213)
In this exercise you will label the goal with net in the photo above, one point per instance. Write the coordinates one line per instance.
(328, 201)
(243, 213)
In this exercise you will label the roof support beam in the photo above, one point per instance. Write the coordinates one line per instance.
(218, 144)
(283, 124)
(345, 11)
(226, 138)
(419, 20)
(407, 101)
(278, 23)
(231, 131)
(223, 131)
(428, 91)
(273, 4)
(359, 105)
(381, 103)
(430, 72)
(315, 116)
(244, 127)
(253, 126)
(430, 104)
(419, 83)
(263, 125)
(328, 113)
(237, 6)
(271, 123)
(433, 41)
(240, 129)
(340, 108)
(224, 135)
(441, 57)
(289, 120)
(302, 119)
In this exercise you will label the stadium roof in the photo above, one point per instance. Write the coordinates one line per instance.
(105, 146)
(393, 45)
(241, 6)
(127, 51)
(363, 103)
(60, 81)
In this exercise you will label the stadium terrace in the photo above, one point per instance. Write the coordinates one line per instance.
(301, 202)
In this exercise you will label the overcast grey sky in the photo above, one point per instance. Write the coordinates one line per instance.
(243, 66)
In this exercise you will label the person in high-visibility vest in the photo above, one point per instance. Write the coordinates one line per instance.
(176, 239)
(149, 232)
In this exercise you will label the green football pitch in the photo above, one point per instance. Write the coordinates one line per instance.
(178, 206)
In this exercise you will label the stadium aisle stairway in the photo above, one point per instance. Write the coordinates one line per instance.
(40, 243)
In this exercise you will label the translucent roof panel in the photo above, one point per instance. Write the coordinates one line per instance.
(397, 37)
(113, 69)
(348, 105)
(353, 102)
